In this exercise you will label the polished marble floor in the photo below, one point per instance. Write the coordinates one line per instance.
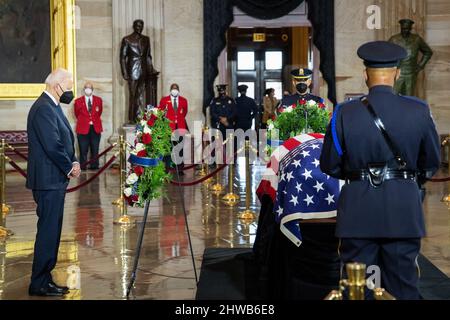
(97, 256)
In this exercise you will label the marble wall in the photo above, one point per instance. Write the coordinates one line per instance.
(433, 23)
(94, 63)
(351, 32)
(94, 57)
(176, 30)
(438, 70)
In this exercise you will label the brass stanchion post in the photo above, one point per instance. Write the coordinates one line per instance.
(124, 220)
(121, 143)
(446, 142)
(5, 209)
(205, 166)
(218, 187)
(356, 280)
(231, 198)
(3, 158)
(203, 171)
(247, 214)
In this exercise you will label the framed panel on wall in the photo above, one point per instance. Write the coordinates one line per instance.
(36, 37)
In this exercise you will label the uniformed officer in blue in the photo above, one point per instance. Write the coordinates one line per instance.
(380, 217)
(246, 109)
(302, 80)
(223, 110)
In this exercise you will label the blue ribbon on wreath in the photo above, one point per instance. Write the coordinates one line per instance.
(144, 162)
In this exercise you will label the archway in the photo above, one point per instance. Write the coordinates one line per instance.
(218, 16)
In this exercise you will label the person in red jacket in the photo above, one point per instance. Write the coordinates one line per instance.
(88, 111)
(175, 108)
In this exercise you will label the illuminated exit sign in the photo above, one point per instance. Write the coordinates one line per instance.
(259, 37)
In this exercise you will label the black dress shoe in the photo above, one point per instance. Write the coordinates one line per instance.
(51, 290)
(65, 290)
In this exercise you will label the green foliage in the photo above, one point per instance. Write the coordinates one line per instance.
(151, 180)
(292, 122)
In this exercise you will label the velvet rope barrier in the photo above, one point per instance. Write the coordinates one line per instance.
(20, 154)
(99, 155)
(193, 183)
(17, 168)
(106, 166)
(24, 157)
(184, 169)
(95, 176)
(440, 180)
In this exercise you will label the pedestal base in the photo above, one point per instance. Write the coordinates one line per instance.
(5, 233)
(247, 215)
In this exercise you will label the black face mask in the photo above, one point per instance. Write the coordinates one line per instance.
(302, 87)
(66, 97)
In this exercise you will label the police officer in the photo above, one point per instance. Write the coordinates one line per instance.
(223, 111)
(380, 218)
(246, 109)
(302, 80)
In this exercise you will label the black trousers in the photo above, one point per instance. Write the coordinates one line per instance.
(396, 258)
(50, 210)
(89, 142)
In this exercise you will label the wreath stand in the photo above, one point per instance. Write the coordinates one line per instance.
(141, 238)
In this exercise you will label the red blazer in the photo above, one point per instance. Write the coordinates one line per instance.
(84, 118)
(178, 120)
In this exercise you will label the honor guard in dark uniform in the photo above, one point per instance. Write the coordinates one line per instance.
(223, 111)
(246, 109)
(384, 146)
(302, 79)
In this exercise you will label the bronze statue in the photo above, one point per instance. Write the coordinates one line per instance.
(137, 68)
(410, 67)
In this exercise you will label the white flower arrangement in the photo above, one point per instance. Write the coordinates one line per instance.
(132, 179)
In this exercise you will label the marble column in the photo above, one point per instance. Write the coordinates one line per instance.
(124, 13)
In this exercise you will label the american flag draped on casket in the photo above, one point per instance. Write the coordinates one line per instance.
(297, 186)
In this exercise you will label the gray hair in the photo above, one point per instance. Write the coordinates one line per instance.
(57, 76)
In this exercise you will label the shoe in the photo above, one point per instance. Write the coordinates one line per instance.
(51, 290)
(64, 289)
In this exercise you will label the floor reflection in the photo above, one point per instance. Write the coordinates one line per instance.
(97, 257)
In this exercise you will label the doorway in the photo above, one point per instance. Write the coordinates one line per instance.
(263, 58)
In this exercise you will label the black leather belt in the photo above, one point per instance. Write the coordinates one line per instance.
(363, 175)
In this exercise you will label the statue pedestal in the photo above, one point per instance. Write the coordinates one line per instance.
(151, 88)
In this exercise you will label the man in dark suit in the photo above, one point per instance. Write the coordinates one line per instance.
(380, 217)
(246, 109)
(51, 163)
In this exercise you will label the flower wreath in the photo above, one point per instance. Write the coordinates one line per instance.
(304, 117)
(147, 176)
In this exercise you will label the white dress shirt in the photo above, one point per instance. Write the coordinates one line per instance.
(51, 97)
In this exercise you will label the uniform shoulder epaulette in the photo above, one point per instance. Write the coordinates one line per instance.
(415, 99)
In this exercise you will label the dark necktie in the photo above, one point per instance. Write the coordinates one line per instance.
(89, 105)
(175, 104)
